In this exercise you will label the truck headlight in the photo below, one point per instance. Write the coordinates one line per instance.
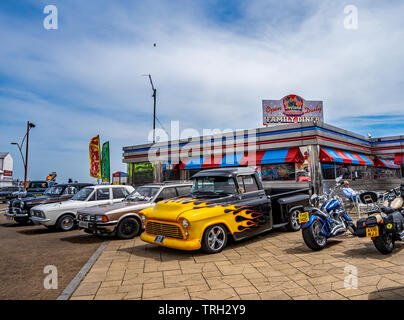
(144, 218)
(185, 223)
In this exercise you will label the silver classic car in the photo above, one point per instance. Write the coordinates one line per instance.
(122, 219)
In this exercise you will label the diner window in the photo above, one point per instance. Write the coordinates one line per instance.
(344, 170)
(361, 172)
(328, 171)
(278, 172)
(386, 173)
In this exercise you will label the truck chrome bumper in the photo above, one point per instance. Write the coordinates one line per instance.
(181, 244)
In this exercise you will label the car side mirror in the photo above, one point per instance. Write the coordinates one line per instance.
(159, 199)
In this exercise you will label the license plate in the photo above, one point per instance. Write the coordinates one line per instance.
(304, 217)
(83, 224)
(37, 194)
(159, 239)
(372, 232)
(10, 218)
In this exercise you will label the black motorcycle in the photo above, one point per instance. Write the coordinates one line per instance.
(385, 221)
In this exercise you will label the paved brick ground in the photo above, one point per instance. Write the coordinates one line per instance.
(276, 265)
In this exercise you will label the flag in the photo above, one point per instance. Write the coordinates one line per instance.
(95, 162)
(105, 166)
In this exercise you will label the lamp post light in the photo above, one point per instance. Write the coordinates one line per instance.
(30, 125)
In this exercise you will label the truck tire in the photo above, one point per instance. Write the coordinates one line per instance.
(214, 239)
(385, 243)
(128, 228)
(293, 223)
(312, 238)
(65, 222)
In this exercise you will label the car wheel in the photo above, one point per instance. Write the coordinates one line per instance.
(128, 228)
(293, 223)
(65, 222)
(214, 238)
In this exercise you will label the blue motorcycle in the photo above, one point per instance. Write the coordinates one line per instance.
(326, 218)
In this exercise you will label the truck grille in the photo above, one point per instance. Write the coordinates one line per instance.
(164, 229)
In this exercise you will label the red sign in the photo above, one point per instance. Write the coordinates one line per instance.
(8, 173)
(95, 161)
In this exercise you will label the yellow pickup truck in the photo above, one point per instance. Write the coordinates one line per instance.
(223, 203)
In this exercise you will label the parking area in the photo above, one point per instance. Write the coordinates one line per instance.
(26, 250)
(275, 265)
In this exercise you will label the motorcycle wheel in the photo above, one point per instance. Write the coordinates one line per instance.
(385, 243)
(312, 237)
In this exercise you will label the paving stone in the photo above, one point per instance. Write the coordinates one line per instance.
(277, 265)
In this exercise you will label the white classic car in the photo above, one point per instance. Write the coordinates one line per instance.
(62, 215)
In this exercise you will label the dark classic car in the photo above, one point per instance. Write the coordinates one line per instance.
(37, 188)
(8, 193)
(19, 209)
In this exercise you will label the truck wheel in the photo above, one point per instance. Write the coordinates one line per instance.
(214, 239)
(293, 224)
(128, 228)
(65, 222)
(312, 237)
(384, 243)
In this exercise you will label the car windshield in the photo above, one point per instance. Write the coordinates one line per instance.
(82, 194)
(56, 190)
(143, 194)
(39, 184)
(213, 186)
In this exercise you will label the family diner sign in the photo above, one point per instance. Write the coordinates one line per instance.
(291, 109)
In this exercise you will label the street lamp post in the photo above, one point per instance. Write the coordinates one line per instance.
(30, 125)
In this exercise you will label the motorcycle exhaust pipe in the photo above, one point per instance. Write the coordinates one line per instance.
(337, 229)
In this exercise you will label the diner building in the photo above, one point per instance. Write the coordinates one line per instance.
(304, 154)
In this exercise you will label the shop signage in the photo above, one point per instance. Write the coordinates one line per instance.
(291, 109)
(8, 173)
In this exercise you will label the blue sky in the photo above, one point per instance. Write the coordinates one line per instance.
(213, 64)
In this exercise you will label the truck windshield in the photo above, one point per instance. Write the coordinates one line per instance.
(143, 194)
(213, 186)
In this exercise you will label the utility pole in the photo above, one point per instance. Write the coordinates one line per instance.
(154, 107)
